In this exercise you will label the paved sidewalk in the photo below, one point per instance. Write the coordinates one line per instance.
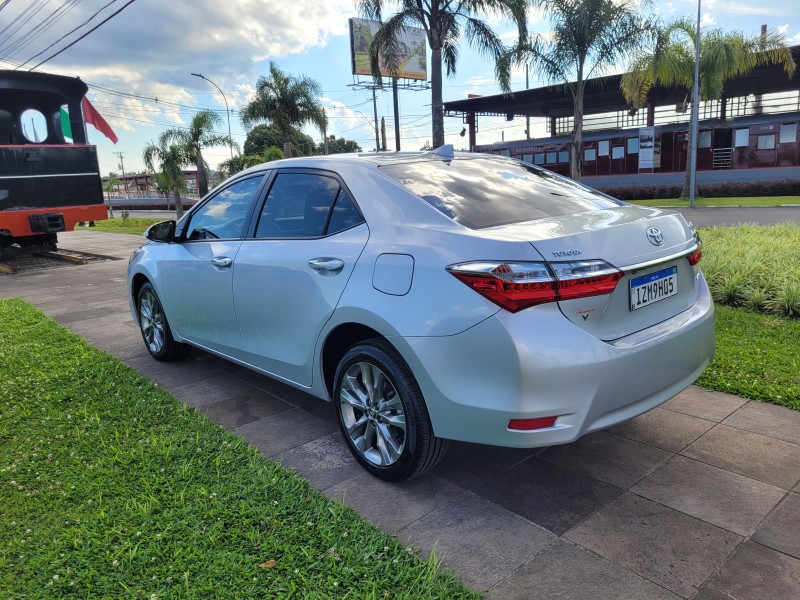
(699, 498)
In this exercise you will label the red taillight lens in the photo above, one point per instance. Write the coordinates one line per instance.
(584, 278)
(695, 256)
(515, 286)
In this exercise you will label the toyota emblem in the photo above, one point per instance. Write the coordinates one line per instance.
(655, 236)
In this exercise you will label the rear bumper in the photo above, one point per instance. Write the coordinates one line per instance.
(538, 364)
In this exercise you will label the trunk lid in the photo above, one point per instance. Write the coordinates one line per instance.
(626, 237)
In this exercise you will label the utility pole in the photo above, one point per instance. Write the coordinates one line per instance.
(383, 134)
(325, 131)
(122, 166)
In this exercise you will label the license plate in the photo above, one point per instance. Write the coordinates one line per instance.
(650, 288)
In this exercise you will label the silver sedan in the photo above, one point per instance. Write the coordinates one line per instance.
(433, 296)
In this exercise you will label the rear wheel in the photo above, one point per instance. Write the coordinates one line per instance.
(155, 329)
(382, 413)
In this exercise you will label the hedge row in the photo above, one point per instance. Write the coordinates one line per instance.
(782, 187)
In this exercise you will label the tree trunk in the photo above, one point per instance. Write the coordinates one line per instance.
(202, 180)
(437, 109)
(287, 146)
(687, 179)
(178, 203)
(577, 135)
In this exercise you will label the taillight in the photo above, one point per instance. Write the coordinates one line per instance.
(518, 285)
(695, 256)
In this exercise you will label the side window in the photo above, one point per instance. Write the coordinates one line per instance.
(299, 206)
(741, 137)
(223, 216)
(344, 215)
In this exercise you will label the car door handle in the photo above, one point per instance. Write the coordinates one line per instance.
(222, 262)
(326, 265)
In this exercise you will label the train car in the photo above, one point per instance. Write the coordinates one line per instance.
(756, 143)
(48, 183)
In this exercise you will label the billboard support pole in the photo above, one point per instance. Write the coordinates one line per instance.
(375, 109)
(396, 116)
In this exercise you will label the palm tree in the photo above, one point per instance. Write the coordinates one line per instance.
(171, 159)
(445, 23)
(723, 55)
(287, 103)
(588, 37)
(199, 135)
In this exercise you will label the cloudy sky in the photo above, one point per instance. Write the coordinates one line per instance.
(138, 63)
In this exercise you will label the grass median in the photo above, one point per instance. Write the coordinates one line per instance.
(111, 487)
(728, 201)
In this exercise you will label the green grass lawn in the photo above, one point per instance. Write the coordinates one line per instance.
(734, 201)
(758, 357)
(110, 487)
(132, 226)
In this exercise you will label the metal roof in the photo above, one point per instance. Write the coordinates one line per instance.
(603, 95)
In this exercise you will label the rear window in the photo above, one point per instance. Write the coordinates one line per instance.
(487, 192)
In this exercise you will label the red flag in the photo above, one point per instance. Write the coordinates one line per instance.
(92, 117)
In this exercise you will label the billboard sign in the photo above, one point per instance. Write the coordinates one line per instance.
(412, 60)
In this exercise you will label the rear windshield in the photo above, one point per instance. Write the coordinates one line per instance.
(486, 192)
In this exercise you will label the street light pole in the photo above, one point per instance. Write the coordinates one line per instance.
(695, 113)
(227, 110)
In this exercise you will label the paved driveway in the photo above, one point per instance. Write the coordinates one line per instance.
(699, 498)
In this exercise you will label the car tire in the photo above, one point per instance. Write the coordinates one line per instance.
(155, 329)
(382, 413)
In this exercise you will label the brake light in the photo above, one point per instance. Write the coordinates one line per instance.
(518, 285)
(695, 256)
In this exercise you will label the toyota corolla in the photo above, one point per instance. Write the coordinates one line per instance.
(433, 296)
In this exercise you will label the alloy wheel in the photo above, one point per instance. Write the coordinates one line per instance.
(372, 414)
(151, 319)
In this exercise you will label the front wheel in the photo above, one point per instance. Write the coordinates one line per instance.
(382, 413)
(155, 329)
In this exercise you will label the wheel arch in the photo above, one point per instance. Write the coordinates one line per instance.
(338, 342)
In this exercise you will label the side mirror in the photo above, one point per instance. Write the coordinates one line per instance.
(161, 232)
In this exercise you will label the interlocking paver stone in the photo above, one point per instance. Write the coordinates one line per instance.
(659, 543)
(565, 571)
(781, 530)
(213, 389)
(755, 571)
(480, 541)
(549, 495)
(725, 499)
(468, 465)
(704, 404)
(756, 456)
(664, 429)
(284, 431)
(608, 457)
(243, 408)
(768, 419)
(391, 506)
(324, 461)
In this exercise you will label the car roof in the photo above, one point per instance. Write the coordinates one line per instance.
(373, 159)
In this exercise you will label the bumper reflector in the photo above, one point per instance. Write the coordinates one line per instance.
(531, 424)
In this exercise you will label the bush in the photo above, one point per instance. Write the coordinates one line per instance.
(754, 267)
(728, 189)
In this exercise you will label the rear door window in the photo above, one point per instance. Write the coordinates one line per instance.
(487, 192)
